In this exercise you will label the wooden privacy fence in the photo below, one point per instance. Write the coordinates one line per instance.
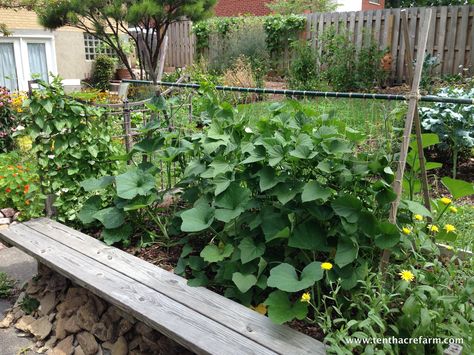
(451, 34)
(181, 45)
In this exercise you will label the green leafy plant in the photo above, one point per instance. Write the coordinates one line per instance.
(8, 121)
(346, 68)
(304, 72)
(6, 285)
(273, 198)
(429, 65)
(29, 304)
(72, 142)
(453, 123)
(103, 72)
(411, 178)
(135, 198)
(286, 7)
(282, 30)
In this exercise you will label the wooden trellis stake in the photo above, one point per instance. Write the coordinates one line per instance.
(412, 112)
(417, 123)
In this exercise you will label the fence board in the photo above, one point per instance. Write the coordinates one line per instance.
(461, 54)
(442, 38)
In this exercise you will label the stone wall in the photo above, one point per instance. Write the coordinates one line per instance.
(65, 319)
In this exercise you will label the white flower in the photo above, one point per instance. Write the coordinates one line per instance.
(20, 128)
(248, 130)
(52, 156)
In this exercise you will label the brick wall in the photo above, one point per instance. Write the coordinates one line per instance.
(373, 5)
(242, 7)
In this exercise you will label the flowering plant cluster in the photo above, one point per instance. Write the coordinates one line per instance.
(19, 187)
(434, 226)
(6, 120)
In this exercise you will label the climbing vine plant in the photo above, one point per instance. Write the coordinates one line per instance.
(282, 29)
(278, 29)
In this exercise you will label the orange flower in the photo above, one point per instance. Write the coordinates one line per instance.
(15, 175)
(27, 202)
(2, 177)
(8, 190)
(26, 189)
(19, 167)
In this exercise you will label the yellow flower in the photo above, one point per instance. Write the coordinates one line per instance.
(418, 217)
(449, 247)
(433, 228)
(445, 201)
(449, 228)
(453, 209)
(326, 266)
(306, 297)
(25, 143)
(406, 230)
(407, 275)
(261, 308)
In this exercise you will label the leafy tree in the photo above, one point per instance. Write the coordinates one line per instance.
(287, 7)
(421, 3)
(144, 21)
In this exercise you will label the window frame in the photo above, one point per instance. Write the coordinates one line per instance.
(92, 45)
(20, 50)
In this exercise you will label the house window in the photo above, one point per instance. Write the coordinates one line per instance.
(8, 75)
(26, 57)
(94, 46)
(37, 60)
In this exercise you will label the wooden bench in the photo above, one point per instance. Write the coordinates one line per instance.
(197, 318)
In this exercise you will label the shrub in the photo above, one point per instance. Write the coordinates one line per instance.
(369, 71)
(337, 60)
(346, 69)
(275, 197)
(453, 123)
(304, 72)
(71, 141)
(241, 75)
(103, 72)
(244, 41)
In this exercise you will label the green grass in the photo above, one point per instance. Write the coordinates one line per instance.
(463, 220)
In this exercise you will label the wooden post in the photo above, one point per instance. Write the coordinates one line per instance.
(163, 50)
(412, 109)
(419, 141)
(127, 127)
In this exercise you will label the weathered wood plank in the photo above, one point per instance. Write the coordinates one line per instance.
(178, 322)
(378, 27)
(247, 322)
(396, 38)
(462, 39)
(441, 39)
(431, 34)
(449, 62)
